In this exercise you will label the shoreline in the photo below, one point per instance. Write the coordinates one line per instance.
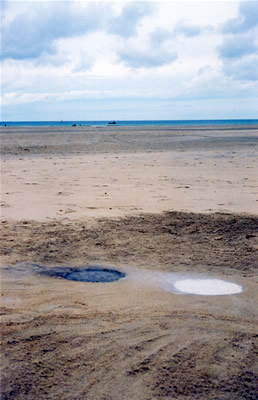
(45, 141)
(133, 123)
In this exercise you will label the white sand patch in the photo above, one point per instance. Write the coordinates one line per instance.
(208, 287)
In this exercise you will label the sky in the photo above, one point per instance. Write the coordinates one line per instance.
(128, 60)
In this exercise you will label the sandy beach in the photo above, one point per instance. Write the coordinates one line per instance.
(97, 171)
(157, 204)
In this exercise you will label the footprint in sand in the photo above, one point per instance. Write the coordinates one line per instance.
(63, 193)
(4, 204)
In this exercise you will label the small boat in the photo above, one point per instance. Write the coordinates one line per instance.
(112, 123)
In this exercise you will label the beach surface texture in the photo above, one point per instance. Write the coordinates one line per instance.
(163, 206)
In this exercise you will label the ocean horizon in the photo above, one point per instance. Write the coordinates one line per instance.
(201, 122)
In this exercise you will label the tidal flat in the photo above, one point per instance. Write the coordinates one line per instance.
(146, 202)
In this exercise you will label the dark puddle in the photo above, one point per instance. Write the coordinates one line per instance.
(89, 274)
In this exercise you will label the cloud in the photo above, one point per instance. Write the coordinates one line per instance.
(148, 58)
(246, 20)
(239, 48)
(127, 22)
(149, 52)
(3, 6)
(19, 97)
(159, 35)
(33, 29)
(59, 56)
(244, 69)
(187, 30)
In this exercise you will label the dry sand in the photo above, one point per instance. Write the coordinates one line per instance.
(104, 172)
(154, 203)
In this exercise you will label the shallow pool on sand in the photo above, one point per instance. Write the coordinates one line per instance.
(208, 287)
(168, 281)
(89, 274)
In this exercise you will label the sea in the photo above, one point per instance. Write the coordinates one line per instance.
(131, 123)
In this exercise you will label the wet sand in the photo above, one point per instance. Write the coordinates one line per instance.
(152, 204)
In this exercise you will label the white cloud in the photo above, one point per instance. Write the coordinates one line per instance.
(31, 30)
(59, 52)
(239, 48)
